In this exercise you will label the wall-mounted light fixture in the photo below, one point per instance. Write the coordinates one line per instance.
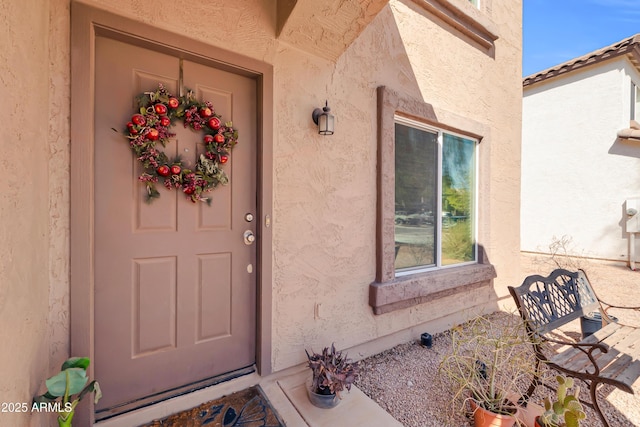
(323, 119)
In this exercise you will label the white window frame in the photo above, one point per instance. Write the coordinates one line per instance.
(405, 121)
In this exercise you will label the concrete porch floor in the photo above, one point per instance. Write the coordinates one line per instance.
(287, 394)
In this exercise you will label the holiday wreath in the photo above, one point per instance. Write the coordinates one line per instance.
(159, 111)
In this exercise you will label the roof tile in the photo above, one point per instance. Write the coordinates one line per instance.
(620, 48)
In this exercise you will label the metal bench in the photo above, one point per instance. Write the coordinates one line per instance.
(609, 356)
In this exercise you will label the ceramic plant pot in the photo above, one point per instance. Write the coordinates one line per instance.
(324, 401)
(484, 418)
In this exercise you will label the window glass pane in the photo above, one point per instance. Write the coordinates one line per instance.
(458, 210)
(416, 185)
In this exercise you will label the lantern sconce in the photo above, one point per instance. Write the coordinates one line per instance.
(323, 119)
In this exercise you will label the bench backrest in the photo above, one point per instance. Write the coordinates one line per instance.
(547, 303)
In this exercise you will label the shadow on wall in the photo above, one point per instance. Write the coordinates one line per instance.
(436, 13)
(492, 296)
(402, 63)
(626, 148)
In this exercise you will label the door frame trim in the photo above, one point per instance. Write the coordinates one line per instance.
(86, 23)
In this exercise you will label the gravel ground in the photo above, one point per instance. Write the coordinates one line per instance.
(405, 382)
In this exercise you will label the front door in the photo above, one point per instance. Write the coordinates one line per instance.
(175, 287)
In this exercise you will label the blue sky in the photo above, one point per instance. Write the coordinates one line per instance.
(555, 31)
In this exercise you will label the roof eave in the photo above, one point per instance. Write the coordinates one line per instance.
(629, 47)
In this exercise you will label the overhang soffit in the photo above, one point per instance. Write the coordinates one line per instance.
(325, 28)
(634, 57)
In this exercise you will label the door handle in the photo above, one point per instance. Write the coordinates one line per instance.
(249, 237)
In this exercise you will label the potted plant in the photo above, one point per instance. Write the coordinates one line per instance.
(565, 410)
(67, 388)
(490, 367)
(332, 372)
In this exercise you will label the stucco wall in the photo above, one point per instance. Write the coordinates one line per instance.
(324, 187)
(24, 204)
(576, 174)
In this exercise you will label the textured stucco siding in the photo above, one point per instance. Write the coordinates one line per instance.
(324, 215)
(576, 174)
(25, 76)
(325, 187)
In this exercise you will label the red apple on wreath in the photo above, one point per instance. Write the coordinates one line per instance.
(218, 138)
(163, 170)
(138, 119)
(153, 134)
(175, 170)
(165, 121)
(205, 112)
(173, 103)
(132, 128)
(224, 158)
(208, 139)
(160, 109)
(214, 123)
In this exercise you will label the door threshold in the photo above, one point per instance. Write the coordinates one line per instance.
(179, 399)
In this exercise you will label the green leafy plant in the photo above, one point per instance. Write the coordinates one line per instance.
(67, 388)
(490, 362)
(332, 371)
(565, 410)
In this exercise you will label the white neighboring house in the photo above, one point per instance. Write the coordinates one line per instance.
(581, 153)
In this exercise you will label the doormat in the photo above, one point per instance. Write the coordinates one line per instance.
(246, 408)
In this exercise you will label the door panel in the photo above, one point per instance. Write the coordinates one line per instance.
(154, 325)
(174, 300)
(214, 302)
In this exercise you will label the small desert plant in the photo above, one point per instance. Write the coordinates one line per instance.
(565, 410)
(490, 362)
(70, 386)
(562, 253)
(332, 371)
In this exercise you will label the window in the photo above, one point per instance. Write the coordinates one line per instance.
(435, 176)
(429, 232)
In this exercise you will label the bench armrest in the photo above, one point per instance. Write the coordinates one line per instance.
(605, 311)
(605, 306)
(608, 306)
